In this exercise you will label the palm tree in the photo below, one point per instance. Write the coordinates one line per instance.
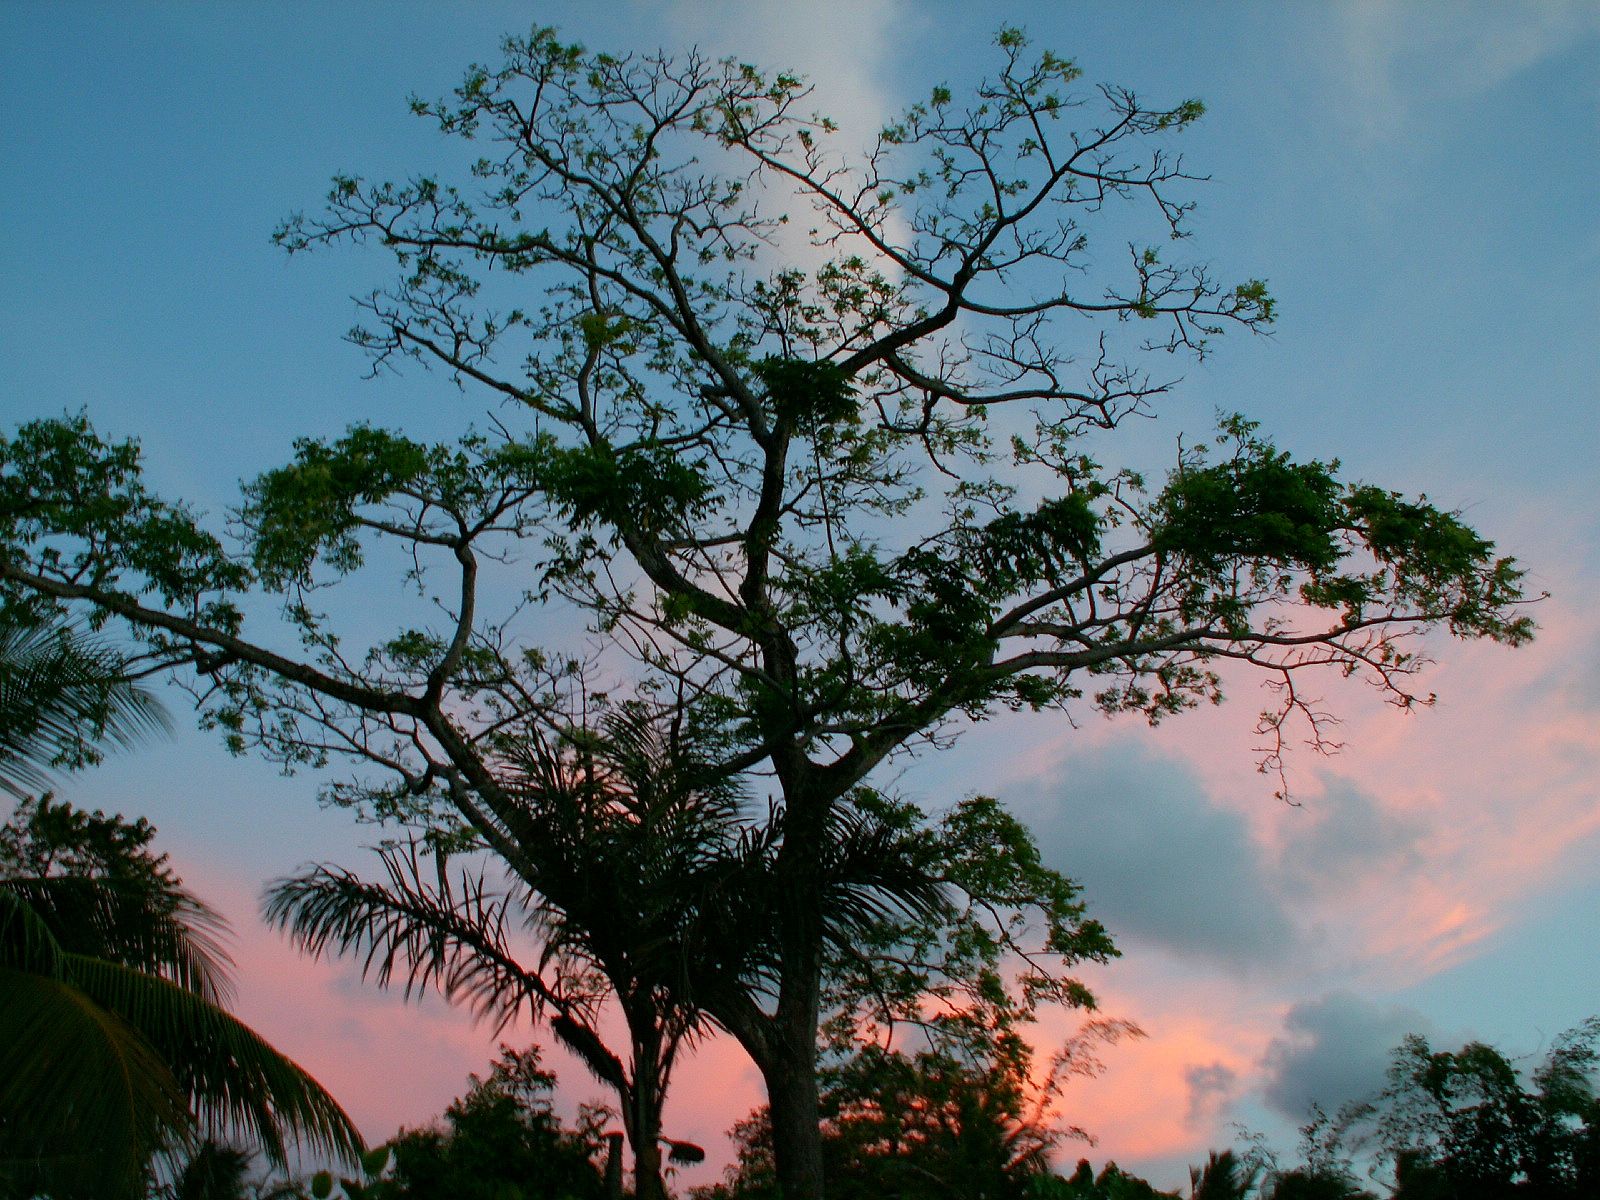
(114, 1043)
(640, 880)
(1224, 1177)
(62, 694)
(212, 1171)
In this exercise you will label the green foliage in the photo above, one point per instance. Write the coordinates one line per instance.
(308, 510)
(97, 887)
(63, 694)
(1257, 506)
(79, 506)
(1307, 1183)
(1247, 526)
(500, 1141)
(901, 1125)
(113, 1046)
(1466, 1123)
(647, 884)
(808, 395)
(911, 1126)
(775, 489)
(211, 1171)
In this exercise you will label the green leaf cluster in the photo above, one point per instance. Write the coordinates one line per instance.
(77, 504)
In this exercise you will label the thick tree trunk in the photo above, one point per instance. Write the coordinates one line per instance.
(647, 1183)
(790, 1071)
(796, 1123)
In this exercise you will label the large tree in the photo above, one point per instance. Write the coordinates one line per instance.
(805, 434)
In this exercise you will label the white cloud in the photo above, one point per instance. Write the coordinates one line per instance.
(1399, 57)
(843, 52)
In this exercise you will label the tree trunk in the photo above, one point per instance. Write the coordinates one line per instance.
(614, 1166)
(796, 1122)
(647, 1182)
(642, 1118)
(790, 1071)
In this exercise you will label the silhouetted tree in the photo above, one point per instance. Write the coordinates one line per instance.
(1326, 1170)
(641, 881)
(502, 1135)
(1223, 1177)
(840, 501)
(114, 1042)
(1467, 1125)
(502, 1140)
(210, 1171)
(1112, 1183)
(1460, 1125)
(1310, 1183)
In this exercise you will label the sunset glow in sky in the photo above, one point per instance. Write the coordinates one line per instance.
(1416, 182)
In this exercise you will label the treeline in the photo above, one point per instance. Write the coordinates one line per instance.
(95, 922)
(1468, 1124)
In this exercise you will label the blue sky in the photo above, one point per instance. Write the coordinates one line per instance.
(1416, 182)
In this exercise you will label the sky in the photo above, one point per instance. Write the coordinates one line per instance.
(1416, 182)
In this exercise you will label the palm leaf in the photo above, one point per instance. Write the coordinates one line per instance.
(423, 935)
(27, 943)
(234, 1080)
(84, 1096)
(95, 1051)
(61, 692)
(164, 931)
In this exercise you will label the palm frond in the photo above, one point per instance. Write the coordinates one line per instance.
(587, 1047)
(85, 1096)
(232, 1077)
(27, 943)
(62, 692)
(872, 868)
(165, 931)
(417, 933)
